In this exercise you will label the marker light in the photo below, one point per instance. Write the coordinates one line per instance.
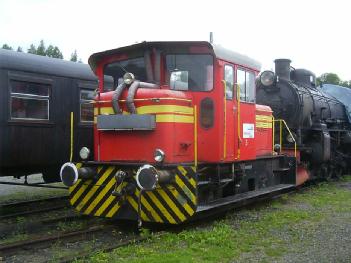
(84, 153)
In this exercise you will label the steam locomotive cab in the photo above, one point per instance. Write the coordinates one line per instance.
(178, 134)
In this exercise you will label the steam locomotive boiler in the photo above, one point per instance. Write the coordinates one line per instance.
(178, 135)
(318, 121)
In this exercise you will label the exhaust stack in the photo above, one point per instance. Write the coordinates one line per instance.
(282, 68)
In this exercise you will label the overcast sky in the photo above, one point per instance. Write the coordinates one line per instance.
(313, 34)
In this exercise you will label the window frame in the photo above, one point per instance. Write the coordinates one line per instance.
(29, 79)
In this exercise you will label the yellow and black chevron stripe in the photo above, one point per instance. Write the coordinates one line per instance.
(172, 204)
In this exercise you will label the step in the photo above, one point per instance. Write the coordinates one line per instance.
(238, 198)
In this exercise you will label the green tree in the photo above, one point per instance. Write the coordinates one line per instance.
(19, 49)
(32, 49)
(346, 83)
(50, 51)
(329, 78)
(74, 56)
(5, 46)
(41, 50)
(54, 52)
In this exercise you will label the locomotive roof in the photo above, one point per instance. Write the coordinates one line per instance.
(217, 50)
(13, 60)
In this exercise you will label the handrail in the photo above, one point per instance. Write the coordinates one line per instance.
(195, 136)
(71, 143)
(281, 122)
(238, 117)
(225, 121)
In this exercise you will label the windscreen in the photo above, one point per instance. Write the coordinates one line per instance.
(190, 72)
(116, 70)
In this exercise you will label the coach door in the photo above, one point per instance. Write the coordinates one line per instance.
(245, 114)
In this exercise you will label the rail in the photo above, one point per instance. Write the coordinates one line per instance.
(281, 122)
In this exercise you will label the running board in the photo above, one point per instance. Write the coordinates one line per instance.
(244, 198)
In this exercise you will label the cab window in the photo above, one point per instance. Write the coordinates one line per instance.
(246, 82)
(229, 80)
(193, 72)
(240, 80)
(116, 70)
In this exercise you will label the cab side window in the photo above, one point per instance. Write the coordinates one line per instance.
(246, 81)
(250, 86)
(229, 80)
(240, 80)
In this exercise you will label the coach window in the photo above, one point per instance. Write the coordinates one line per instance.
(193, 72)
(29, 101)
(86, 105)
(229, 80)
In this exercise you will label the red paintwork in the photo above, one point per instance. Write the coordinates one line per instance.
(247, 145)
(139, 146)
(264, 136)
(302, 175)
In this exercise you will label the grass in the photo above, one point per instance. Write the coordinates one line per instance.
(267, 231)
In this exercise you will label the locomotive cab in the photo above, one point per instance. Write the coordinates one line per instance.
(178, 133)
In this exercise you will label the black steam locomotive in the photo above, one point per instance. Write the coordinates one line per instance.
(318, 121)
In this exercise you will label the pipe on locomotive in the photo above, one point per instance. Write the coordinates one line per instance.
(129, 81)
(115, 97)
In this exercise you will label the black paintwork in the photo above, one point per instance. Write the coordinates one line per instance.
(42, 146)
(318, 121)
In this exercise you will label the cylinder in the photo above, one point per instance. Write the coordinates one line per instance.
(282, 68)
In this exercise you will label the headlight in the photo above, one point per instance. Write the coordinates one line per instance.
(84, 153)
(159, 155)
(267, 78)
(147, 177)
(128, 78)
(69, 174)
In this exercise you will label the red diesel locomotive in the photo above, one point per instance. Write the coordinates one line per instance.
(178, 134)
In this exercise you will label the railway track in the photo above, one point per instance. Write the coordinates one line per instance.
(25, 208)
(30, 246)
(12, 251)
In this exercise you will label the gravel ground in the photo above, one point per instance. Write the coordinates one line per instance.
(329, 242)
(10, 193)
(326, 240)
